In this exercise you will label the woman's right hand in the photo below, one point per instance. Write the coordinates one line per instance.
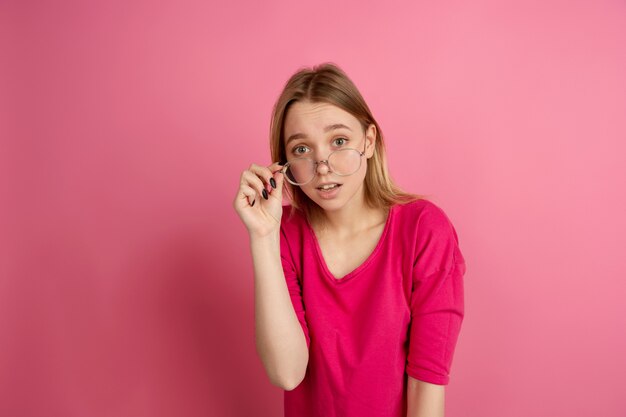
(261, 216)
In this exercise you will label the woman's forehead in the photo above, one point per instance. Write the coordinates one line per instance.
(316, 118)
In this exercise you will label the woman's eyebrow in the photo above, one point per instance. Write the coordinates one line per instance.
(328, 128)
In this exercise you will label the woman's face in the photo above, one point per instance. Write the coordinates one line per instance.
(312, 130)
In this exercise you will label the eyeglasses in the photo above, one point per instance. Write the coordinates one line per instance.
(342, 162)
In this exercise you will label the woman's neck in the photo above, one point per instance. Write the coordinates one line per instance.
(344, 223)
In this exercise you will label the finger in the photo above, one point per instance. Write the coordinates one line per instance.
(250, 178)
(246, 196)
(279, 178)
(262, 172)
(277, 172)
(275, 166)
(248, 193)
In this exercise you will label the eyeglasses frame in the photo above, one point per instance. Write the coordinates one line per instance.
(316, 164)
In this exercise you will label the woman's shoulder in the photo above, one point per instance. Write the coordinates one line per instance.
(424, 213)
(419, 207)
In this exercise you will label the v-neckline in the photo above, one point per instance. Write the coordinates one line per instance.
(358, 269)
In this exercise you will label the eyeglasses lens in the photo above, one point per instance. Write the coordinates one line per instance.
(342, 162)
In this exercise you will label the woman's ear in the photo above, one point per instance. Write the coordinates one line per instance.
(370, 138)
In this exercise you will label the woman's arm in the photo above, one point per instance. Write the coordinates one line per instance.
(280, 341)
(425, 399)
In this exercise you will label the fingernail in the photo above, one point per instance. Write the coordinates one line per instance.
(272, 183)
(265, 194)
(253, 201)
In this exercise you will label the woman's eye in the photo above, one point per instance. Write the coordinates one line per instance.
(297, 148)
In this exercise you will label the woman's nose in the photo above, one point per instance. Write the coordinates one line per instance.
(322, 167)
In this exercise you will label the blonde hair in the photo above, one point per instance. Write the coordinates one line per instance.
(327, 83)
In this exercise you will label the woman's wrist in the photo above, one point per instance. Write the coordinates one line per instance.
(272, 236)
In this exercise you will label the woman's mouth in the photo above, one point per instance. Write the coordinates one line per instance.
(328, 187)
(329, 191)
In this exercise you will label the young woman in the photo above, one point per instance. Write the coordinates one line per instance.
(358, 285)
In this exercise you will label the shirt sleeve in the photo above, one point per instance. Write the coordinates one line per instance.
(293, 285)
(437, 298)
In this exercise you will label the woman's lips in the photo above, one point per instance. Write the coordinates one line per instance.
(334, 183)
(328, 194)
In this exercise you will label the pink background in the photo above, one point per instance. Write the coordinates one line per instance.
(126, 284)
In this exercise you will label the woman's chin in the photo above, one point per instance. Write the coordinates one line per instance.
(328, 204)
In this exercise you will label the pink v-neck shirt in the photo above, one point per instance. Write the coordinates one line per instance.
(398, 313)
